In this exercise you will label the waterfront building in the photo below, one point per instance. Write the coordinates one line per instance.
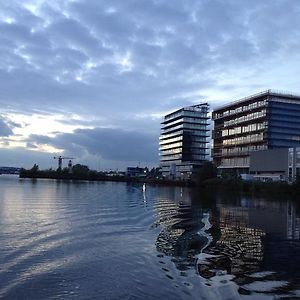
(136, 172)
(282, 164)
(268, 120)
(183, 141)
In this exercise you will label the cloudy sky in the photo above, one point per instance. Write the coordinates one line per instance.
(91, 78)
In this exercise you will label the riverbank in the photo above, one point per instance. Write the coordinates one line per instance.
(213, 184)
(254, 186)
(102, 177)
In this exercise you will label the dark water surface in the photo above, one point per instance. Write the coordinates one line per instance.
(93, 240)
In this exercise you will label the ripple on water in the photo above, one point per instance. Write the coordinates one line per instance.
(122, 241)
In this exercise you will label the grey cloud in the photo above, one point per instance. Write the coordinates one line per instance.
(239, 49)
(110, 144)
(14, 10)
(130, 122)
(5, 130)
(13, 124)
(160, 14)
(72, 33)
(109, 27)
(77, 122)
(40, 139)
(176, 51)
(31, 146)
(22, 34)
(168, 50)
(20, 157)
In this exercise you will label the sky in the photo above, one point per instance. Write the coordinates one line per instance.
(92, 79)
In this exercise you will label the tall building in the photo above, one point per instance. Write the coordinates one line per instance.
(183, 141)
(267, 120)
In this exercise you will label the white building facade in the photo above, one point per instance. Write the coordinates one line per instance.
(183, 141)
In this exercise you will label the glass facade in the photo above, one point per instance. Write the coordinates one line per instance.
(263, 121)
(284, 124)
(183, 140)
(294, 163)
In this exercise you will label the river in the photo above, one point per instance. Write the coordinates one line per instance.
(109, 240)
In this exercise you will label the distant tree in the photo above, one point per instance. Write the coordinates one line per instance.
(154, 173)
(65, 171)
(93, 175)
(207, 171)
(80, 170)
(35, 168)
(230, 174)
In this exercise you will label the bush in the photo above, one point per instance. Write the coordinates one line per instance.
(207, 171)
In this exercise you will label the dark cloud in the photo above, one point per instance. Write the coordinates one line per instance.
(109, 144)
(31, 146)
(13, 124)
(5, 130)
(20, 157)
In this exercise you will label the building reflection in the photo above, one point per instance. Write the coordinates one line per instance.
(254, 235)
(248, 236)
(180, 221)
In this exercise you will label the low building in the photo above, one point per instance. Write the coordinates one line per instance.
(270, 165)
(183, 141)
(136, 172)
(10, 170)
(276, 164)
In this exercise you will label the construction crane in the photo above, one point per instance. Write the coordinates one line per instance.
(60, 159)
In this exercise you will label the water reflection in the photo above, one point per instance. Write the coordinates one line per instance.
(254, 240)
(252, 236)
(62, 239)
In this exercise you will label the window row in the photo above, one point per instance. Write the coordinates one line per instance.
(243, 150)
(243, 129)
(185, 120)
(244, 139)
(170, 146)
(195, 150)
(240, 161)
(195, 120)
(171, 157)
(241, 108)
(165, 136)
(200, 114)
(195, 157)
(171, 151)
(171, 140)
(248, 117)
(185, 126)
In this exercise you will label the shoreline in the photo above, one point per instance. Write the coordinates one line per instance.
(213, 184)
(180, 183)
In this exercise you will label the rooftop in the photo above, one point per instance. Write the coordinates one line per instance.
(269, 92)
(202, 107)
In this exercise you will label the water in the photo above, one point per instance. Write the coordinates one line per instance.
(93, 240)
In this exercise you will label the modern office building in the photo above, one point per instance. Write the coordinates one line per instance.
(183, 141)
(268, 120)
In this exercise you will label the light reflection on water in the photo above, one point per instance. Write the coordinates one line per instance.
(93, 240)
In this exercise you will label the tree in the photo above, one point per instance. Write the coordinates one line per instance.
(207, 171)
(80, 170)
(35, 168)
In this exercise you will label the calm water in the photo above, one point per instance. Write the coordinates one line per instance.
(85, 240)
